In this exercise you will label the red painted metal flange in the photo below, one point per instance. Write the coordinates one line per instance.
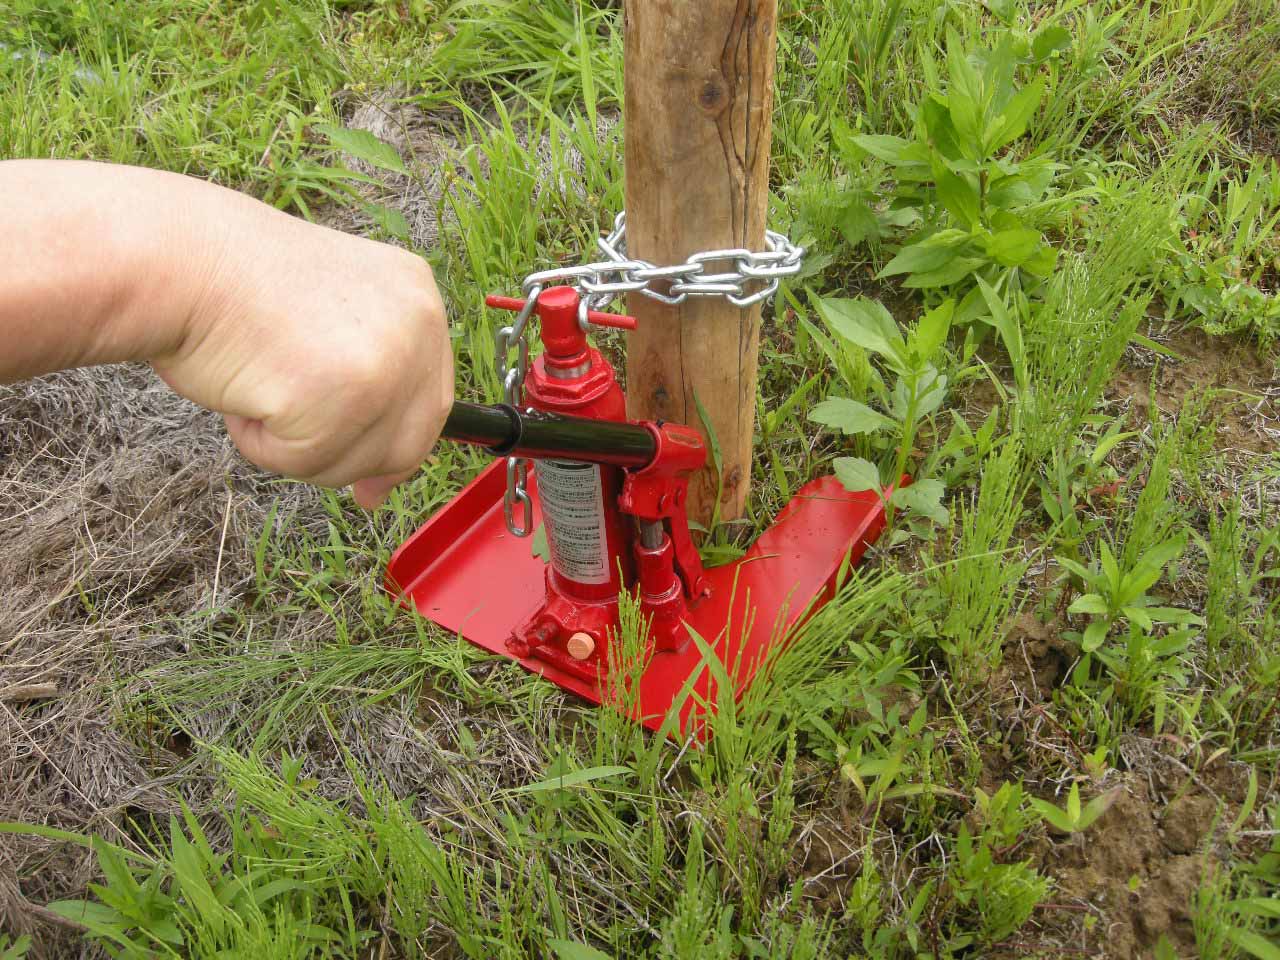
(465, 572)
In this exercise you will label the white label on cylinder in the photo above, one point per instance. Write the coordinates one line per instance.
(573, 508)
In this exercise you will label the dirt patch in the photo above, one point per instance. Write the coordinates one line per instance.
(1242, 383)
(1123, 870)
(826, 857)
(1186, 822)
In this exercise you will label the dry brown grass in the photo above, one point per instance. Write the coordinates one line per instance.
(121, 505)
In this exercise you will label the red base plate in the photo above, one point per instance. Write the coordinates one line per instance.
(464, 571)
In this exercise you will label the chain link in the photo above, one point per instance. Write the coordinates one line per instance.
(508, 338)
(743, 277)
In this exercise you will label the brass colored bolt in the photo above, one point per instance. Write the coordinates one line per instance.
(581, 646)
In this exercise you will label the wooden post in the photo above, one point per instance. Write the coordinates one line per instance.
(698, 113)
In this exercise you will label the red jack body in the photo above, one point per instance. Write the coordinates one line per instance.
(617, 522)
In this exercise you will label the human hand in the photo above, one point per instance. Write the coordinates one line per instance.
(328, 354)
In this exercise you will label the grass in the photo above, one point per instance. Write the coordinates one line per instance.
(1040, 721)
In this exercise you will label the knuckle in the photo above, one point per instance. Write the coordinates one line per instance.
(370, 369)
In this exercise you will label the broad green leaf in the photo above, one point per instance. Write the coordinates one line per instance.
(1254, 943)
(1041, 263)
(114, 868)
(97, 919)
(363, 145)
(965, 97)
(865, 323)
(893, 150)
(1149, 569)
(571, 950)
(1110, 569)
(849, 416)
(86, 912)
(1013, 248)
(850, 773)
(15, 950)
(1052, 815)
(1004, 10)
(931, 331)
(859, 223)
(924, 497)
(1106, 443)
(953, 272)
(929, 254)
(932, 390)
(1009, 193)
(574, 779)
(1172, 615)
(190, 870)
(959, 194)
(1175, 641)
(997, 76)
(1050, 39)
(1257, 906)
(389, 219)
(1096, 807)
(936, 116)
(1012, 122)
(1089, 603)
(972, 308)
(857, 474)
(1139, 617)
(1079, 569)
(1073, 803)
(1094, 635)
(1165, 553)
(903, 216)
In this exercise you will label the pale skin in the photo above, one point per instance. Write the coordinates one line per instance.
(327, 354)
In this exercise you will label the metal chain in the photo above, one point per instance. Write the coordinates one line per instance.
(739, 272)
(743, 277)
(510, 338)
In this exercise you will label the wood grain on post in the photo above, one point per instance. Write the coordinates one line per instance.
(698, 111)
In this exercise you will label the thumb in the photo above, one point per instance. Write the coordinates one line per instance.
(371, 491)
(250, 437)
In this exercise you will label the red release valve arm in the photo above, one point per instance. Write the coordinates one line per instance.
(618, 321)
(660, 491)
(561, 311)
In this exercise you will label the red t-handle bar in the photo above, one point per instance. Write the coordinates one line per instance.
(598, 317)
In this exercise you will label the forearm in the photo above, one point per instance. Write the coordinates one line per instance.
(328, 354)
(104, 264)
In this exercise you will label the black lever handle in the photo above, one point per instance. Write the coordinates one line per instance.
(508, 432)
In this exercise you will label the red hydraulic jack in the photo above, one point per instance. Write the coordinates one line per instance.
(612, 496)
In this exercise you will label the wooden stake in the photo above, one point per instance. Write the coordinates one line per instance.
(698, 111)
